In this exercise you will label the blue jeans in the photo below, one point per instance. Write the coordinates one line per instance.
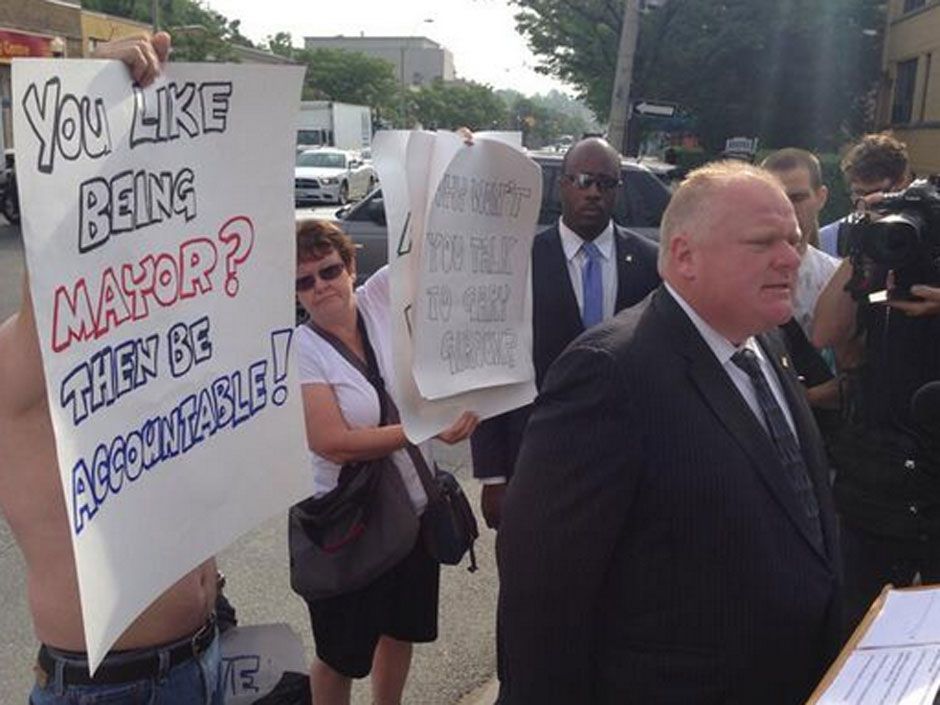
(193, 682)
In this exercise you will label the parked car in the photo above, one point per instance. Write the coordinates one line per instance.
(641, 201)
(331, 176)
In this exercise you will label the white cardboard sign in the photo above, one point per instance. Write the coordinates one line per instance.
(159, 233)
(255, 658)
(461, 220)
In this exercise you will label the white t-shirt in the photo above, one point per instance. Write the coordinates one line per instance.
(816, 268)
(318, 362)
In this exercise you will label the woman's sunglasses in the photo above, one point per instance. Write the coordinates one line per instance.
(308, 281)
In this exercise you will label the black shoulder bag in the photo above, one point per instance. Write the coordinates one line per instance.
(357, 531)
(448, 525)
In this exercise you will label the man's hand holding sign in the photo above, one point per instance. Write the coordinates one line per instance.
(160, 365)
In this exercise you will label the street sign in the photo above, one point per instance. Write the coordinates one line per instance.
(654, 108)
(744, 148)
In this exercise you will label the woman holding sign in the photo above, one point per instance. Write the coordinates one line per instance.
(344, 353)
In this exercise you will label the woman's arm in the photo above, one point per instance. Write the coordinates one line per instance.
(329, 435)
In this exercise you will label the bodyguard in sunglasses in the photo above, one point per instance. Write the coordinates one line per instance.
(584, 270)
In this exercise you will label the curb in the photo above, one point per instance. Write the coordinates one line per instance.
(484, 695)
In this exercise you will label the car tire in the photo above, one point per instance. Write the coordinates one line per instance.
(343, 197)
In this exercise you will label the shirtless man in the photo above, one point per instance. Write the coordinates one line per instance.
(171, 650)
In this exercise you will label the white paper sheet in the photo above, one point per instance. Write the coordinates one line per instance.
(887, 677)
(907, 618)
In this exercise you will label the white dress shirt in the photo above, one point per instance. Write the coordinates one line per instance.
(575, 257)
(723, 349)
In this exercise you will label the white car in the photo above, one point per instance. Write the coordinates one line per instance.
(331, 176)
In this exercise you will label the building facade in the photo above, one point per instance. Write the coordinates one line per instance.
(33, 28)
(909, 99)
(418, 61)
(98, 28)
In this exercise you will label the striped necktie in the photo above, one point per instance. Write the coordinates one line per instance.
(784, 441)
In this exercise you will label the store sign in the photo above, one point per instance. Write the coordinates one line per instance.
(14, 45)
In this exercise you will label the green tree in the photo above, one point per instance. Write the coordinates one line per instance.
(796, 72)
(542, 120)
(281, 44)
(447, 106)
(199, 33)
(351, 77)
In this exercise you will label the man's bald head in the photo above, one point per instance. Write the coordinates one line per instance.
(590, 175)
(691, 207)
(593, 146)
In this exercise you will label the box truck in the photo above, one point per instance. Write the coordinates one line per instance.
(323, 123)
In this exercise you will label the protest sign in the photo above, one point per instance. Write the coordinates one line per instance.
(438, 376)
(472, 271)
(159, 234)
(255, 659)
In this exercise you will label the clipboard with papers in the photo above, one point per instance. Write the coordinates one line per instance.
(892, 657)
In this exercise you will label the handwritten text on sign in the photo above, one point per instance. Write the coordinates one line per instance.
(162, 285)
(473, 274)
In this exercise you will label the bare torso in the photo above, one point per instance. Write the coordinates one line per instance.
(32, 501)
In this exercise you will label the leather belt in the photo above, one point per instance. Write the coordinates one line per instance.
(125, 666)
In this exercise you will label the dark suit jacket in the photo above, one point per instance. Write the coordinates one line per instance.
(556, 321)
(651, 550)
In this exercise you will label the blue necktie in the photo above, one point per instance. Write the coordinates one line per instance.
(592, 286)
(784, 441)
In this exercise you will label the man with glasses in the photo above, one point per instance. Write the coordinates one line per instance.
(584, 270)
(887, 481)
(878, 163)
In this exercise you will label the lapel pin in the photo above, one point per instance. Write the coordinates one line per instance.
(628, 258)
(784, 361)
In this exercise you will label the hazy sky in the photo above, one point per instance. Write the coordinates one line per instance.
(481, 34)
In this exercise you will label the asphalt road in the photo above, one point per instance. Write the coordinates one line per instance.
(459, 662)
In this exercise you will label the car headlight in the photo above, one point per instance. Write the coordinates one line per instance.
(329, 180)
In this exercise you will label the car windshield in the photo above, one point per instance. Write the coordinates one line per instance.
(327, 159)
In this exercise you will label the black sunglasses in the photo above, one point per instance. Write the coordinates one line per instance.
(308, 281)
(586, 181)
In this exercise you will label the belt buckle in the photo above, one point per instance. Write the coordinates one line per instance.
(202, 632)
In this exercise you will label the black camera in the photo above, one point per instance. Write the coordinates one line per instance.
(905, 239)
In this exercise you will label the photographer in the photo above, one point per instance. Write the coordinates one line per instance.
(877, 163)
(887, 484)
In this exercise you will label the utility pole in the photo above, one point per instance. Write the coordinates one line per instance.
(153, 15)
(620, 100)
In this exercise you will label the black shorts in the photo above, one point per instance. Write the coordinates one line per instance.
(401, 604)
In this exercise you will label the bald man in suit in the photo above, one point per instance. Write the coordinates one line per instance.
(668, 537)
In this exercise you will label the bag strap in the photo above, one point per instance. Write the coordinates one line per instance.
(388, 410)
